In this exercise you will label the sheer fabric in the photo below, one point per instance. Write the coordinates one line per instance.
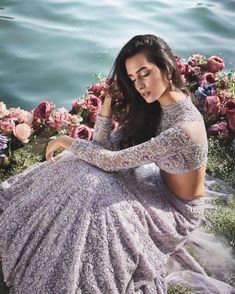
(70, 227)
(181, 145)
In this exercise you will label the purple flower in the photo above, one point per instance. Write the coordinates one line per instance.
(3, 142)
(205, 90)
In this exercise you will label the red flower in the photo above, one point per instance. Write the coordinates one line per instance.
(215, 64)
(207, 78)
(212, 104)
(43, 110)
(230, 113)
(219, 128)
(182, 68)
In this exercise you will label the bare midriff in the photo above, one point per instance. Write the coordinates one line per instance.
(186, 186)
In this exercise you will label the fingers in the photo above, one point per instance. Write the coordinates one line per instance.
(49, 153)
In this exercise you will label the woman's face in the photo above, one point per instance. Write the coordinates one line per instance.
(146, 77)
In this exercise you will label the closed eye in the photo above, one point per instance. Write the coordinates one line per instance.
(142, 76)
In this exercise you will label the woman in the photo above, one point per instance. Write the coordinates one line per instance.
(101, 218)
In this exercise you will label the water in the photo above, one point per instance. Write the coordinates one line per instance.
(51, 49)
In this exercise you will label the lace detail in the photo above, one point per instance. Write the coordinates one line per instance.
(172, 151)
(103, 135)
(181, 111)
(181, 145)
(70, 227)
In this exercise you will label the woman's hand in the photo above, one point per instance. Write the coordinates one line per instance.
(60, 142)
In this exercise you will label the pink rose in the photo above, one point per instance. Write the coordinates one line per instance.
(15, 113)
(22, 132)
(95, 88)
(182, 68)
(71, 128)
(230, 113)
(219, 128)
(98, 87)
(215, 64)
(78, 104)
(92, 117)
(206, 78)
(7, 125)
(3, 109)
(43, 109)
(194, 70)
(61, 117)
(223, 95)
(212, 104)
(82, 132)
(196, 59)
(93, 103)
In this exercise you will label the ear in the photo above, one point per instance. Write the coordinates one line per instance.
(166, 76)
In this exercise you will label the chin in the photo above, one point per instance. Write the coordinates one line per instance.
(151, 100)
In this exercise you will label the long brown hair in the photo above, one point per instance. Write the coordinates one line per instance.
(141, 119)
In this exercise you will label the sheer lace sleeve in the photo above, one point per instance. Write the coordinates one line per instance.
(164, 149)
(103, 134)
(195, 131)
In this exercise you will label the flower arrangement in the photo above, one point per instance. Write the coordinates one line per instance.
(214, 96)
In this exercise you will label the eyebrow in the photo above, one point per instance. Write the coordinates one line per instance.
(143, 67)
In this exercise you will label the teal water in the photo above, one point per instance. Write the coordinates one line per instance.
(51, 49)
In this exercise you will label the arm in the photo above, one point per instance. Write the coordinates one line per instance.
(166, 144)
(103, 134)
(103, 125)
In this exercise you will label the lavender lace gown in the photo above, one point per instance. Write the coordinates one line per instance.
(99, 220)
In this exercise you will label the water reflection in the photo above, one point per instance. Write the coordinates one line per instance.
(5, 17)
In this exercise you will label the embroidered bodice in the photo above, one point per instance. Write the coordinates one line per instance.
(179, 146)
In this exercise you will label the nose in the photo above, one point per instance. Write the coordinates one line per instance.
(140, 85)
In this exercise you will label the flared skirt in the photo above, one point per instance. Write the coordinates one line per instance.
(70, 227)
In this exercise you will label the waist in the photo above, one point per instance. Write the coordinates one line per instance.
(185, 187)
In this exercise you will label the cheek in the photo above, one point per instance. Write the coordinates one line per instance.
(157, 80)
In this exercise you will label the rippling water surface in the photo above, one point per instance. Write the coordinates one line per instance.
(51, 49)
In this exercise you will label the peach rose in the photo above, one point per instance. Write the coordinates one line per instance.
(3, 109)
(26, 117)
(22, 132)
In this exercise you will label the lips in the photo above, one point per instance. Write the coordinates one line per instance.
(145, 94)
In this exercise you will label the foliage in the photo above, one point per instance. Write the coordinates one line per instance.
(221, 160)
(179, 288)
(221, 219)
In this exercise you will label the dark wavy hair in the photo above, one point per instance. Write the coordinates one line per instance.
(141, 119)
